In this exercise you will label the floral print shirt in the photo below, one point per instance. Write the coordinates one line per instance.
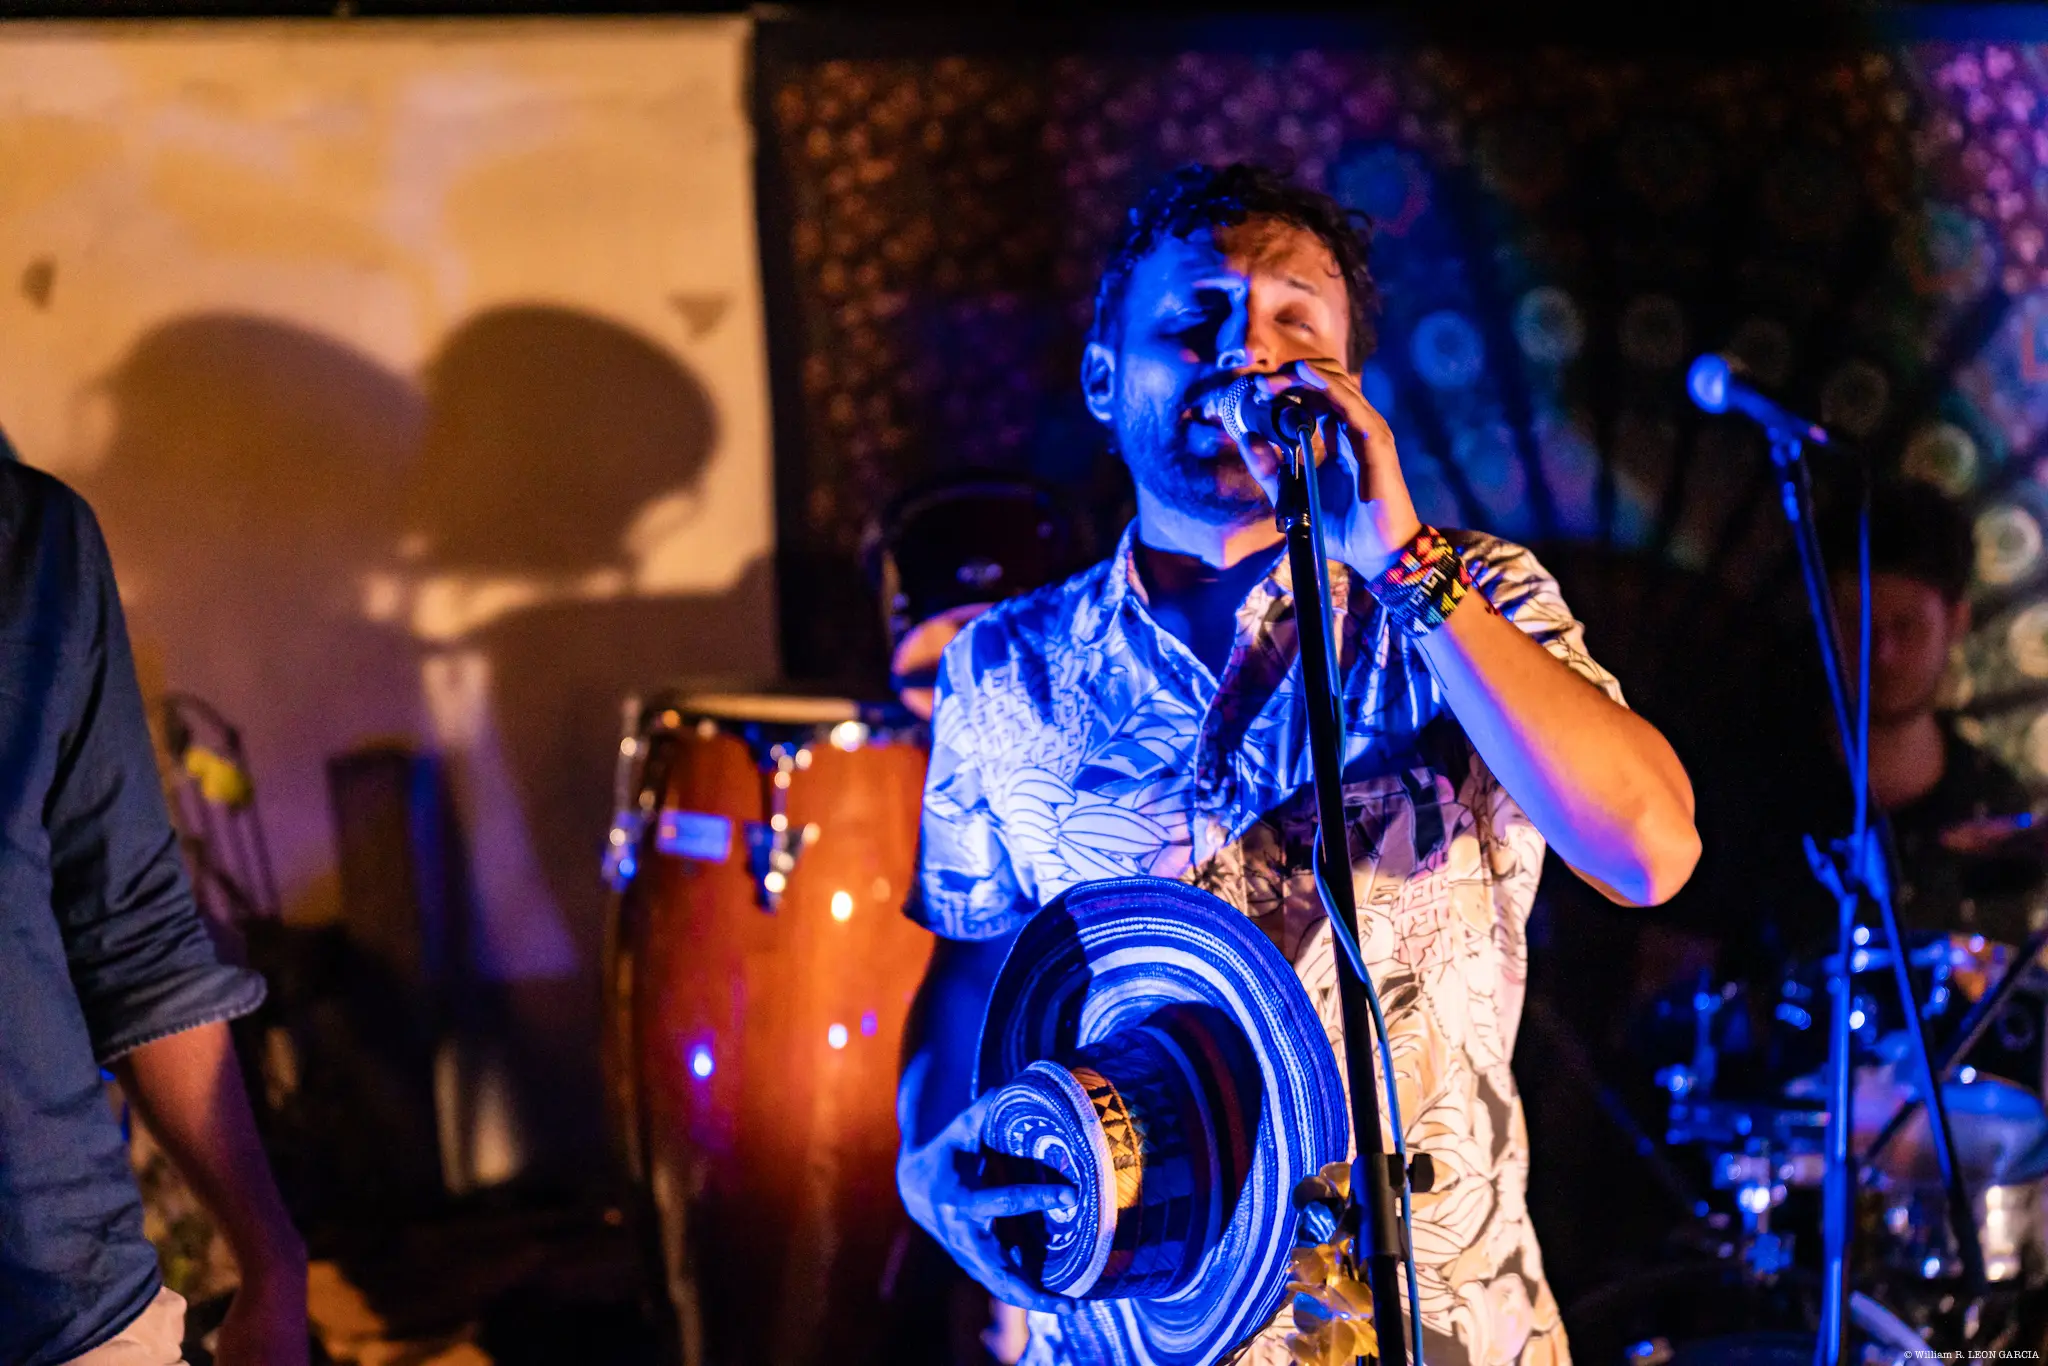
(1074, 739)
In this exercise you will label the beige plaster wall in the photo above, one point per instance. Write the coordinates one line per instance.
(417, 373)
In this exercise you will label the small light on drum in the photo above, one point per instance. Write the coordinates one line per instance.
(774, 882)
(842, 905)
(849, 736)
(803, 757)
(782, 780)
(701, 1065)
(1967, 1075)
(868, 1024)
(778, 822)
(836, 1036)
(629, 747)
(618, 836)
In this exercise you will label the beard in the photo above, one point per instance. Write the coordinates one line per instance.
(1191, 467)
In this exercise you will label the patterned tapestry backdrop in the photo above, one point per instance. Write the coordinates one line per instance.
(1558, 233)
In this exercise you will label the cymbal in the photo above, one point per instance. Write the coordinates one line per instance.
(2021, 834)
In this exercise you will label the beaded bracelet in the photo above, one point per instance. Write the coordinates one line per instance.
(1424, 584)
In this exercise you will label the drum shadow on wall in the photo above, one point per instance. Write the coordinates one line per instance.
(559, 450)
(251, 469)
(338, 556)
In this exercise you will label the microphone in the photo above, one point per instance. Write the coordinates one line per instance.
(1245, 410)
(1718, 383)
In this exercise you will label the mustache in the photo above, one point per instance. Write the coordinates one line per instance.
(1195, 399)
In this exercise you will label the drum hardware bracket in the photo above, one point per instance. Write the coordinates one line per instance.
(773, 848)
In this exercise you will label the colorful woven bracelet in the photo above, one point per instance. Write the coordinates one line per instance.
(1424, 584)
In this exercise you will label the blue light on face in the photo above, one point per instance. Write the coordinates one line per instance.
(701, 1065)
(1707, 381)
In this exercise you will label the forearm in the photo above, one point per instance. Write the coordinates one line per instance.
(1599, 782)
(187, 1089)
(942, 1033)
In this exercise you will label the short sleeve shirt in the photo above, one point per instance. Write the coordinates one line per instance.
(1076, 740)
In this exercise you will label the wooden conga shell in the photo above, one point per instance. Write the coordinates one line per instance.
(764, 1042)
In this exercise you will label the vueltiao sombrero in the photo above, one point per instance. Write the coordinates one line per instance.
(1151, 1046)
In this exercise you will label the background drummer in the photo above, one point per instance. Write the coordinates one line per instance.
(1949, 801)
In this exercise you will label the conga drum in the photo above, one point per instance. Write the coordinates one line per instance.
(759, 974)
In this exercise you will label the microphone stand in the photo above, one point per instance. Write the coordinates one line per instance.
(1861, 870)
(1378, 1177)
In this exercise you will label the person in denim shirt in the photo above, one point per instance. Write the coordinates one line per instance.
(104, 963)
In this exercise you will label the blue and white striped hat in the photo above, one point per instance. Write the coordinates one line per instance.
(1152, 1047)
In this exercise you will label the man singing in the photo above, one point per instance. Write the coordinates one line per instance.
(104, 961)
(1144, 718)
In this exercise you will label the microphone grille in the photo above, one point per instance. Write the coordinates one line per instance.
(1228, 408)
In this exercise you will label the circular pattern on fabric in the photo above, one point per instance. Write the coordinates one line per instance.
(1548, 326)
(1447, 350)
(2035, 745)
(2008, 544)
(2026, 641)
(1765, 346)
(1854, 397)
(1653, 332)
(1944, 455)
(1110, 957)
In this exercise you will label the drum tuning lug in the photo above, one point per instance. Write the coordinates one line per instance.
(621, 863)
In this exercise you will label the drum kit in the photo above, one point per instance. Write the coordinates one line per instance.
(1743, 1069)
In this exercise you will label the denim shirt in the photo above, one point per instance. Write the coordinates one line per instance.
(101, 947)
(1075, 739)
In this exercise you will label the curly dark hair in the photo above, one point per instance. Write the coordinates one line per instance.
(1916, 531)
(1197, 196)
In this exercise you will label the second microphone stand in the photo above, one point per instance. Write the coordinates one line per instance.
(1378, 1177)
(1860, 872)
